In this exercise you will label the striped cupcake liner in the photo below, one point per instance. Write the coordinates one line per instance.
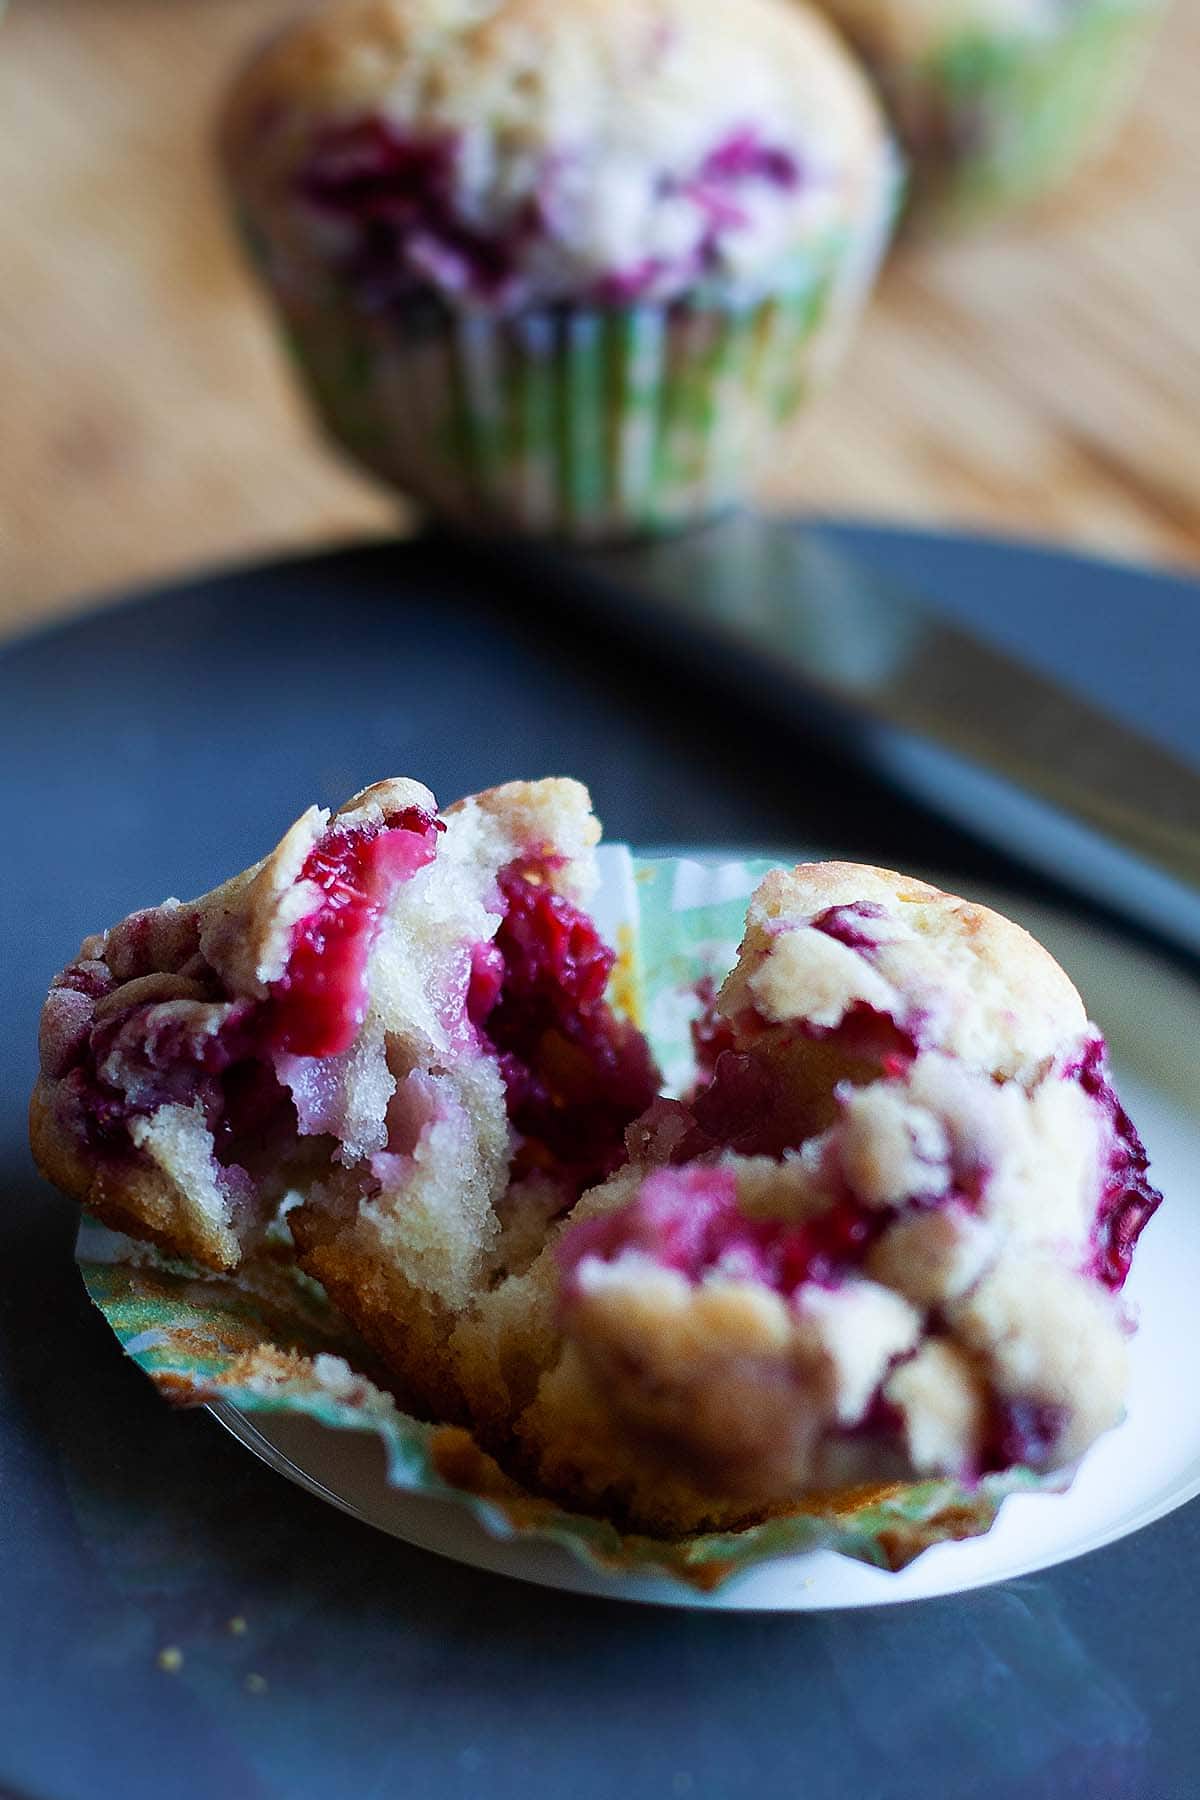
(581, 422)
(992, 122)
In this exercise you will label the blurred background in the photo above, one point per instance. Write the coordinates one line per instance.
(1042, 378)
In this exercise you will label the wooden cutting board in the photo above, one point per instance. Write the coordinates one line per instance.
(1044, 379)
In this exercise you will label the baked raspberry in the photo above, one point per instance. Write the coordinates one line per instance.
(575, 1074)
(319, 1002)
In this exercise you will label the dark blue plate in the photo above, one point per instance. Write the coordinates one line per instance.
(153, 748)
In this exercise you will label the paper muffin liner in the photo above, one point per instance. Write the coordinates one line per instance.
(581, 422)
(993, 121)
(268, 1342)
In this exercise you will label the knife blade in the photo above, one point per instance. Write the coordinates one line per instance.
(984, 737)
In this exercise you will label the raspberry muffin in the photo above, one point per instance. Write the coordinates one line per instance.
(559, 265)
(883, 1238)
(998, 101)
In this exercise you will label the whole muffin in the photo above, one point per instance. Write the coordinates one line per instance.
(559, 265)
(998, 101)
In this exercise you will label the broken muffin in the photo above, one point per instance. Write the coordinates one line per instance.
(882, 1237)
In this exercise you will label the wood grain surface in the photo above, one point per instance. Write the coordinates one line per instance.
(1043, 380)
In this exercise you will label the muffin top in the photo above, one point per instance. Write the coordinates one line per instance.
(508, 152)
(825, 939)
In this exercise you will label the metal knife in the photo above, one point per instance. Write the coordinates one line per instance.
(984, 738)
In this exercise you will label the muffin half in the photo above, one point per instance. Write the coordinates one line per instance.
(884, 1240)
(396, 1027)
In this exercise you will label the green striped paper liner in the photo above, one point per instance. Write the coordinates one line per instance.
(269, 1343)
(584, 422)
(993, 120)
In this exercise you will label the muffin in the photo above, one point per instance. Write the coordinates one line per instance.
(559, 265)
(883, 1238)
(998, 101)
